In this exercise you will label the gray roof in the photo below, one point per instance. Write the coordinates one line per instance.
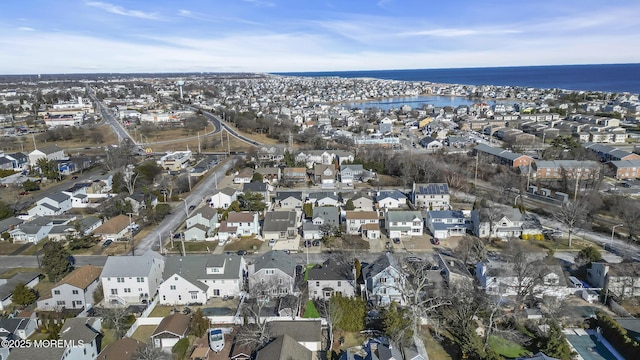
(207, 212)
(626, 163)
(356, 168)
(328, 213)
(445, 214)
(58, 197)
(78, 329)
(194, 267)
(50, 149)
(284, 347)
(28, 228)
(12, 325)
(301, 331)
(323, 194)
(227, 191)
(255, 187)
(378, 265)
(62, 229)
(506, 154)
(567, 164)
(404, 215)
(330, 270)
(275, 259)
(8, 223)
(21, 277)
(50, 207)
(431, 189)
(88, 221)
(37, 353)
(282, 195)
(393, 194)
(131, 266)
(279, 220)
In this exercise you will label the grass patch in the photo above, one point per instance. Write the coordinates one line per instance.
(306, 271)
(352, 242)
(310, 311)
(32, 250)
(6, 248)
(143, 333)
(161, 311)
(200, 246)
(109, 337)
(9, 273)
(249, 244)
(506, 348)
(435, 350)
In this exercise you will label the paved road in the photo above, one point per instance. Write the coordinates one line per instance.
(13, 261)
(219, 124)
(202, 190)
(108, 117)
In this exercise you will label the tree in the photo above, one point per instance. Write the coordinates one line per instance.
(332, 312)
(5, 211)
(150, 352)
(307, 208)
(199, 323)
(253, 332)
(130, 178)
(588, 255)
(55, 261)
(628, 210)
(48, 168)
(571, 214)
(23, 295)
(491, 214)
(148, 171)
(554, 342)
(82, 242)
(398, 324)
(116, 318)
(117, 182)
(30, 185)
(349, 206)
(525, 268)
(470, 250)
(252, 201)
(180, 348)
(257, 177)
(353, 312)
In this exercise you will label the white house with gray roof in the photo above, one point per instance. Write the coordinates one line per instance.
(433, 196)
(280, 225)
(130, 280)
(201, 224)
(384, 281)
(391, 199)
(198, 278)
(288, 199)
(222, 198)
(53, 204)
(351, 173)
(274, 273)
(331, 278)
(403, 223)
(50, 152)
(30, 232)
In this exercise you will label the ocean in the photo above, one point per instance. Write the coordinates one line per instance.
(606, 78)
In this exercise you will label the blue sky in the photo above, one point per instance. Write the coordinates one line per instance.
(79, 36)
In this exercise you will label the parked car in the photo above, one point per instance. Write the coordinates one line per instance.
(177, 235)
(107, 243)
(74, 178)
(272, 242)
(192, 207)
(435, 241)
(316, 243)
(241, 252)
(396, 240)
(24, 193)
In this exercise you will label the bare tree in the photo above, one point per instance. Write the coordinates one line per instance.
(470, 250)
(332, 313)
(526, 269)
(150, 352)
(168, 185)
(130, 179)
(491, 214)
(254, 332)
(571, 214)
(628, 210)
(116, 318)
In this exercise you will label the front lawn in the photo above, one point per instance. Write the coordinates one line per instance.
(506, 348)
(194, 246)
(310, 311)
(249, 244)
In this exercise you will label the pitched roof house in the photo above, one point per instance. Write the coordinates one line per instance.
(74, 291)
(116, 228)
(170, 330)
(332, 277)
(273, 272)
(383, 281)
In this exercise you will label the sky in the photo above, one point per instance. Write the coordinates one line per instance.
(86, 36)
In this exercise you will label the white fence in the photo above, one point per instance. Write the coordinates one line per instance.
(143, 321)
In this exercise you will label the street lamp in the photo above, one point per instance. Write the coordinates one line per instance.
(613, 230)
(515, 201)
(186, 207)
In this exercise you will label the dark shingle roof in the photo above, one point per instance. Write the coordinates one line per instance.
(275, 259)
(331, 270)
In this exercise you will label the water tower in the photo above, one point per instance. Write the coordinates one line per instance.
(180, 83)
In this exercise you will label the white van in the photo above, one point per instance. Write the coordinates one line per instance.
(575, 282)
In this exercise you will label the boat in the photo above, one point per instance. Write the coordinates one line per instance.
(216, 340)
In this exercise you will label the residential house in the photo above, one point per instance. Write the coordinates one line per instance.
(201, 224)
(289, 199)
(18, 160)
(326, 215)
(116, 228)
(170, 330)
(9, 224)
(323, 199)
(84, 334)
(31, 232)
(351, 173)
(273, 274)
(294, 174)
(78, 195)
(392, 199)
(570, 169)
(238, 224)
(17, 328)
(500, 278)
(89, 224)
(258, 188)
(222, 198)
(626, 169)
(74, 291)
(139, 199)
(324, 174)
(510, 223)
(311, 231)
(50, 152)
(430, 143)
(50, 205)
(243, 176)
(131, 279)
(307, 333)
(446, 223)
(362, 202)
(609, 153)
(621, 280)
(280, 225)
(356, 219)
(284, 347)
(122, 349)
(330, 278)
(61, 232)
(434, 196)
(198, 278)
(453, 270)
(270, 175)
(30, 279)
(403, 223)
(384, 281)
(502, 157)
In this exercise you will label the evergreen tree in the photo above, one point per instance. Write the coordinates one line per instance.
(199, 323)
(55, 261)
(349, 206)
(117, 183)
(23, 295)
(554, 344)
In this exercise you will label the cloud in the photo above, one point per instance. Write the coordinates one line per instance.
(454, 32)
(119, 10)
(260, 3)
(24, 28)
(186, 13)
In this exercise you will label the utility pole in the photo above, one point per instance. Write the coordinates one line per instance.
(575, 193)
(475, 178)
(228, 144)
(160, 242)
(133, 250)
(199, 149)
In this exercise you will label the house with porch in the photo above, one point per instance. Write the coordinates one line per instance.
(356, 219)
(288, 200)
(329, 278)
(294, 175)
(351, 173)
(50, 205)
(391, 199)
(116, 228)
(201, 224)
(510, 223)
(270, 175)
(323, 198)
(433, 196)
(324, 174)
(446, 223)
(384, 281)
